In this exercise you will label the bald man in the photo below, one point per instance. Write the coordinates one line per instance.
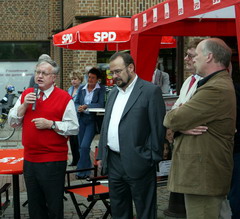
(202, 164)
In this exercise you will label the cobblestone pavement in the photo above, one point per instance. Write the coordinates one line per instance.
(96, 213)
(69, 210)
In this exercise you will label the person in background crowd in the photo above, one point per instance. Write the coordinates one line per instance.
(44, 132)
(202, 164)
(85, 76)
(4, 107)
(41, 58)
(190, 84)
(76, 80)
(161, 78)
(131, 140)
(91, 95)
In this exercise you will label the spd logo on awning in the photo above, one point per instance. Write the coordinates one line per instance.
(67, 38)
(104, 36)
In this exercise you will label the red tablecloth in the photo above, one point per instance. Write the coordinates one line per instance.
(11, 161)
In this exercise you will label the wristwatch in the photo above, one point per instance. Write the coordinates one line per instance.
(53, 125)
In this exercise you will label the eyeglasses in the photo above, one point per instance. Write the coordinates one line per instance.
(117, 71)
(189, 56)
(45, 74)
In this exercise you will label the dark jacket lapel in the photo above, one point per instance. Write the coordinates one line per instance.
(133, 96)
(82, 96)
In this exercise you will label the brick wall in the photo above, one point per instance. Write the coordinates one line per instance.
(125, 7)
(67, 68)
(24, 20)
(69, 12)
(87, 7)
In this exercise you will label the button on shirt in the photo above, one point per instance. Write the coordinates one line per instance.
(117, 111)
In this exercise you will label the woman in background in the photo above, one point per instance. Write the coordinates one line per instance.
(76, 80)
(91, 95)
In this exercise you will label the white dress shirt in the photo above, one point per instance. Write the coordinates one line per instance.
(117, 111)
(68, 126)
(186, 94)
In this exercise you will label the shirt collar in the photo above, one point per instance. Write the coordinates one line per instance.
(130, 86)
(196, 76)
(48, 91)
(96, 86)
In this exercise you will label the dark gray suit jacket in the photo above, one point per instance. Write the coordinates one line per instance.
(141, 130)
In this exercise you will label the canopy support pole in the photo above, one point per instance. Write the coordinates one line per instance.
(145, 54)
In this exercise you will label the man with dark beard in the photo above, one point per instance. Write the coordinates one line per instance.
(131, 140)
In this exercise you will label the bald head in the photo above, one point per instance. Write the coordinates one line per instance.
(219, 49)
(212, 55)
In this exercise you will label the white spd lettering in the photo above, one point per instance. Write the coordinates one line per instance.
(17, 160)
(67, 38)
(7, 159)
(104, 36)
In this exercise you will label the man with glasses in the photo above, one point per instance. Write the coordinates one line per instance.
(44, 132)
(190, 84)
(131, 140)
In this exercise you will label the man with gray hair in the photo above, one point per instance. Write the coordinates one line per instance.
(44, 131)
(202, 162)
(40, 59)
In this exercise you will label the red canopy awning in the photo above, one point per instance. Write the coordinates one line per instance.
(175, 18)
(112, 33)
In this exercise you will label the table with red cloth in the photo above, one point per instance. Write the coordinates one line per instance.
(11, 162)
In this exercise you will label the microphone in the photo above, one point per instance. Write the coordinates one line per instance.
(35, 86)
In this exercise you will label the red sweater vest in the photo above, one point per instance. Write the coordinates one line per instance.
(45, 145)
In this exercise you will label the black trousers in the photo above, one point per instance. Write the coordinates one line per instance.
(124, 190)
(45, 189)
(73, 139)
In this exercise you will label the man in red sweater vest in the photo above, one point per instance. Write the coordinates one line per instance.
(44, 132)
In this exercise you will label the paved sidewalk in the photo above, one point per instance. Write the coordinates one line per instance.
(69, 210)
(97, 212)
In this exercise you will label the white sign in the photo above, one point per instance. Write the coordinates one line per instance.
(144, 20)
(216, 2)
(17, 74)
(180, 7)
(136, 24)
(166, 11)
(102, 36)
(155, 15)
(196, 4)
